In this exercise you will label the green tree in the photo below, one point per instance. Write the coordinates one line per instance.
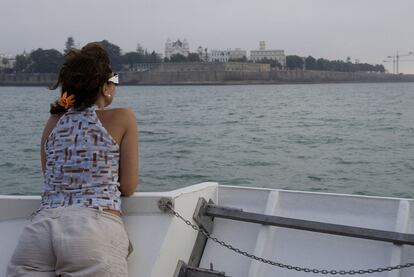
(131, 58)
(45, 61)
(178, 58)
(193, 57)
(310, 63)
(336, 65)
(5, 62)
(294, 62)
(340, 66)
(69, 44)
(323, 64)
(379, 68)
(22, 63)
(114, 53)
(154, 57)
(273, 63)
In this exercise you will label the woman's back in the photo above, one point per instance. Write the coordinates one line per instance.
(82, 161)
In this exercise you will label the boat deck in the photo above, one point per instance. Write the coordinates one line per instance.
(161, 239)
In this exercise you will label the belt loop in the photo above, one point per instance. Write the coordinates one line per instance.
(54, 213)
(57, 212)
(33, 214)
(99, 212)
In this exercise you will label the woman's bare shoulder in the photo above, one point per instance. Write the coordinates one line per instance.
(121, 111)
(52, 121)
(50, 124)
(122, 114)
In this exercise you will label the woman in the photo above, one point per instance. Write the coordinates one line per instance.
(89, 159)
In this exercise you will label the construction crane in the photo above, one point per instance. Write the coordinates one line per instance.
(396, 61)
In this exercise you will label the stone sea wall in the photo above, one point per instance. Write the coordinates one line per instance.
(216, 73)
(27, 79)
(197, 73)
(313, 76)
(245, 73)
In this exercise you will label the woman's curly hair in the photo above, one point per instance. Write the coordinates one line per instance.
(83, 74)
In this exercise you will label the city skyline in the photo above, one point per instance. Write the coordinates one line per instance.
(368, 31)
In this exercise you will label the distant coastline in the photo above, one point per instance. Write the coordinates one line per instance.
(216, 74)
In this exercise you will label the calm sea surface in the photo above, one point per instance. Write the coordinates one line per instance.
(345, 138)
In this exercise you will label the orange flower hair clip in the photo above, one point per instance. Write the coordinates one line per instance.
(66, 101)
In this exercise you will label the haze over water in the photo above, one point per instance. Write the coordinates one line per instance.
(345, 138)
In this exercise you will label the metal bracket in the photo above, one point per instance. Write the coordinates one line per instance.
(200, 217)
(184, 270)
(204, 222)
(164, 204)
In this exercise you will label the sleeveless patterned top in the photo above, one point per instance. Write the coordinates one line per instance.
(82, 161)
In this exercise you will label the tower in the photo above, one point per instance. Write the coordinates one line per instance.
(262, 45)
(168, 46)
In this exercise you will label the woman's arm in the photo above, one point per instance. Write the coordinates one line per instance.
(128, 164)
(50, 124)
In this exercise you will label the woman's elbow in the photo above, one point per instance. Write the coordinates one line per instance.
(128, 190)
(127, 193)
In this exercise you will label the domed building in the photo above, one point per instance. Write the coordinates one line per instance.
(176, 47)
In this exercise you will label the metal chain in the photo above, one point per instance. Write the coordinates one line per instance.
(286, 266)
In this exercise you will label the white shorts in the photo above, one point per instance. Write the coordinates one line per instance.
(71, 242)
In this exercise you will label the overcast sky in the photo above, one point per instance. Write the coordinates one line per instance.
(367, 30)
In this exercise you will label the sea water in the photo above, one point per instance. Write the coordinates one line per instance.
(343, 138)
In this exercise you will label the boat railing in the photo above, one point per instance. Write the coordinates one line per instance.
(205, 213)
(307, 225)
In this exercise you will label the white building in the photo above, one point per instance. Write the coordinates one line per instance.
(219, 56)
(263, 53)
(176, 47)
